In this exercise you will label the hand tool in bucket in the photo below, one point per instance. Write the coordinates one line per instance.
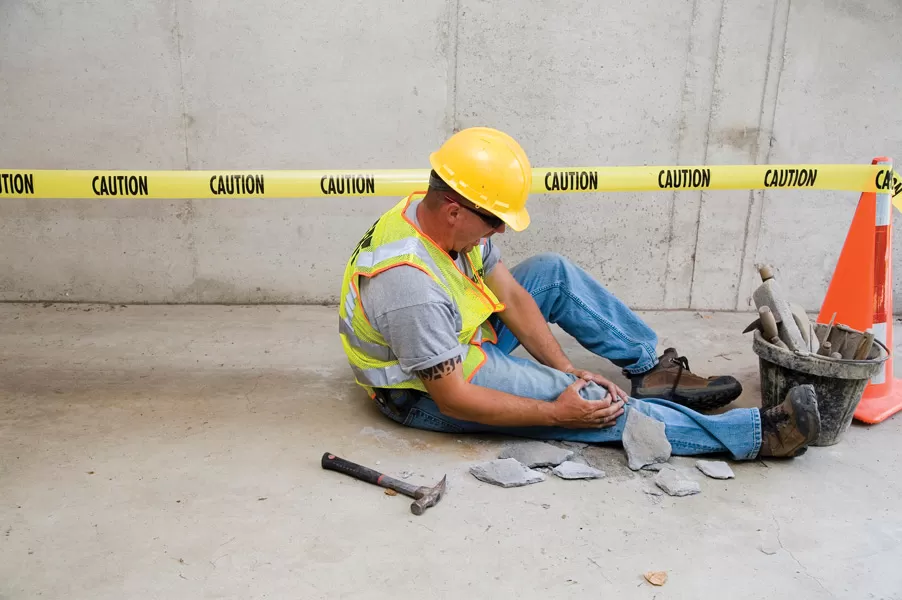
(424, 497)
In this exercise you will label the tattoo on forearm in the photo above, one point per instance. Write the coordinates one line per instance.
(440, 370)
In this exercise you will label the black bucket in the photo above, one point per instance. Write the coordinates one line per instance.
(839, 383)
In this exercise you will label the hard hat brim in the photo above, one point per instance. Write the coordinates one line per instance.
(518, 221)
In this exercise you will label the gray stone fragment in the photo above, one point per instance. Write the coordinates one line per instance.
(536, 454)
(644, 441)
(575, 470)
(654, 492)
(675, 483)
(505, 472)
(716, 469)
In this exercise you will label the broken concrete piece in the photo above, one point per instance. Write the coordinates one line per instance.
(716, 469)
(644, 441)
(506, 472)
(574, 470)
(675, 483)
(536, 454)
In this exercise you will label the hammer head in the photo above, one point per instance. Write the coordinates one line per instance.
(428, 497)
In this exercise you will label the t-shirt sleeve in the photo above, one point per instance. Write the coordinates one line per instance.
(491, 255)
(414, 315)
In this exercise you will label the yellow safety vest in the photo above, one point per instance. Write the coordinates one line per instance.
(392, 241)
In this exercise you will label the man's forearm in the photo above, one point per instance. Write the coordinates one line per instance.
(527, 322)
(492, 407)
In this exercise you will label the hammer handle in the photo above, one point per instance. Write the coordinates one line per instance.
(335, 463)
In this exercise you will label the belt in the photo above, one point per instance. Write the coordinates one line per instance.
(396, 403)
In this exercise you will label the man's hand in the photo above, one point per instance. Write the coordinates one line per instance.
(575, 412)
(616, 393)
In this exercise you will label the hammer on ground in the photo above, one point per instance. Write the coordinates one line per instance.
(424, 497)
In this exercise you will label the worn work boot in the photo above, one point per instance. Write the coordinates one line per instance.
(789, 427)
(672, 380)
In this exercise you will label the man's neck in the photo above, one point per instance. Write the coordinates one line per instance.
(430, 226)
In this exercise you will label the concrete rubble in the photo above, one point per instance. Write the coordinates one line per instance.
(574, 470)
(644, 441)
(536, 454)
(715, 469)
(676, 483)
(505, 472)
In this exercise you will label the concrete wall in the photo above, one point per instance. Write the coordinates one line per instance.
(321, 84)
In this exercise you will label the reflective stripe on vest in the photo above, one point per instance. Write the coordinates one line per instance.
(377, 351)
(381, 378)
(385, 377)
(410, 245)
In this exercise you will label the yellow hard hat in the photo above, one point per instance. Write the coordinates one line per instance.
(488, 168)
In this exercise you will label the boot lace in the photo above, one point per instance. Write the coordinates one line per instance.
(773, 421)
(683, 363)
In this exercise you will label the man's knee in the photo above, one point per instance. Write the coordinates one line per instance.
(549, 262)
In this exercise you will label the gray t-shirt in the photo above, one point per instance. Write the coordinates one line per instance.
(416, 317)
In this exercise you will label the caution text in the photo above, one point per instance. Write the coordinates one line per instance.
(790, 177)
(684, 178)
(119, 185)
(571, 181)
(230, 185)
(884, 179)
(16, 183)
(348, 184)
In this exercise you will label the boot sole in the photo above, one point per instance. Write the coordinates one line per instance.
(805, 399)
(710, 401)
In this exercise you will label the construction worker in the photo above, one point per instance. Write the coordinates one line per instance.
(429, 316)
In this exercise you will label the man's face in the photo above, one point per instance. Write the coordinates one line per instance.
(474, 223)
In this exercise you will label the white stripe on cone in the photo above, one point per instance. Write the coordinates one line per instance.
(880, 334)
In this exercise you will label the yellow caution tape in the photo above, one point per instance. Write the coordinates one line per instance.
(897, 191)
(307, 184)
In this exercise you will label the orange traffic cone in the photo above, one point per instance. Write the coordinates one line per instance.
(861, 295)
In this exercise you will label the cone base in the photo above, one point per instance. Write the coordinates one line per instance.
(876, 410)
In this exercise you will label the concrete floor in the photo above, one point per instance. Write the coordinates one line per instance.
(173, 452)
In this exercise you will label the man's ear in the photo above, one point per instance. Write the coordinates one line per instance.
(454, 211)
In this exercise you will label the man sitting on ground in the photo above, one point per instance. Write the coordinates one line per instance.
(429, 316)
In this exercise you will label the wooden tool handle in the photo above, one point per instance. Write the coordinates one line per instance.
(864, 346)
(768, 323)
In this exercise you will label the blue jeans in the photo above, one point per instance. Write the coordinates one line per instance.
(569, 297)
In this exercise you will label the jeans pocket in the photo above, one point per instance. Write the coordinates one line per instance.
(421, 419)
